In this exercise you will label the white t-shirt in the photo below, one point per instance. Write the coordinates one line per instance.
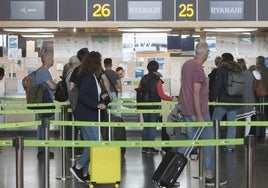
(256, 74)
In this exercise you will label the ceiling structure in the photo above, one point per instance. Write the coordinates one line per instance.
(185, 27)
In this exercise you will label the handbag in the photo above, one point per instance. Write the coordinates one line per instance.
(259, 88)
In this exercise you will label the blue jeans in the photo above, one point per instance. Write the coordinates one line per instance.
(41, 132)
(218, 114)
(208, 133)
(149, 133)
(89, 133)
(41, 136)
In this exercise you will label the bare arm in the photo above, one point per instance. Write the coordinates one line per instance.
(71, 86)
(196, 97)
(119, 86)
(51, 84)
(106, 82)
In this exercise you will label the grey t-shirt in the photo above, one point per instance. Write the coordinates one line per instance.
(43, 75)
(113, 77)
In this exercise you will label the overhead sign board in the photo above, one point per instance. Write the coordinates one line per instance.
(134, 10)
(144, 10)
(101, 10)
(186, 10)
(27, 10)
(226, 10)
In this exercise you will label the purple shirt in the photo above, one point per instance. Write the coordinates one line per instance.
(192, 72)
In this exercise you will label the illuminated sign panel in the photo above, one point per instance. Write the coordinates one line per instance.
(101, 10)
(27, 10)
(134, 10)
(185, 10)
(226, 10)
(145, 10)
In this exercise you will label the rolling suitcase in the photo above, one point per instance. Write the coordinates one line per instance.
(260, 116)
(172, 165)
(119, 133)
(105, 164)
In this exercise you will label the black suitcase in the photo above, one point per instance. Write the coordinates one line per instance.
(172, 165)
(169, 169)
(260, 131)
(119, 133)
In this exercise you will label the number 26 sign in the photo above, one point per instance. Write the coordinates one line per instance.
(100, 10)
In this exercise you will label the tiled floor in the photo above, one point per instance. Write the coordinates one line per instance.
(137, 169)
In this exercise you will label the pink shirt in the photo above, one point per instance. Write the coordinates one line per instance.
(192, 72)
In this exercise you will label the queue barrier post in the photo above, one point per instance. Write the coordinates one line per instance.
(64, 114)
(18, 143)
(216, 124)
(46, 124)
(201, 166)
(251, 146)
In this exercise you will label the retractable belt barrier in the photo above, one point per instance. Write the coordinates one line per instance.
(122, 124)
(20, 142)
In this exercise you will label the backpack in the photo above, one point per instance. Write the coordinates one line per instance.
(61, 93)
(34, 92)
(142, 95)
(259, 88)
(235, 83)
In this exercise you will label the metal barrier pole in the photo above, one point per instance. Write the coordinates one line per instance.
(216, 124)
(73, 138)
(18, 143)
(201, 166)
(64, 114)
(251, 146)
(45, 123)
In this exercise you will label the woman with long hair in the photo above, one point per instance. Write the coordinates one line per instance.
(88, 103)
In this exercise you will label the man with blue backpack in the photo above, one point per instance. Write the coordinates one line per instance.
(44, 77)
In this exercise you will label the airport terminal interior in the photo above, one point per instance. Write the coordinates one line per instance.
(131, 33)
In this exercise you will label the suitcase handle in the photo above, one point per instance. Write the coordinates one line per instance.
(109, 119)
(196, 137)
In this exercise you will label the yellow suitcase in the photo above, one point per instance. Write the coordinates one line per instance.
(105, 166)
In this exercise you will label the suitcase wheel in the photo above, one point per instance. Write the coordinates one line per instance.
(116, 185)
(91, 185)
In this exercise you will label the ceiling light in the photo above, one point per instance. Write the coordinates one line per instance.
(74, 29)
(38, 36)
(30, 30)
(144, 30)
(226, 30)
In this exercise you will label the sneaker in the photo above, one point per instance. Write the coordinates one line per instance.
(194, 155)
(152, 151)
(78, 174)
(86, 178)
(229, 149)
(212, 182)
(144, 150)
(177, 184)
(41, 155)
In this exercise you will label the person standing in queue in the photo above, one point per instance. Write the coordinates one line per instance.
(194, 105)
(88, 103)
(220, 94)
(2, 74)
(151, 83)
(43, 76)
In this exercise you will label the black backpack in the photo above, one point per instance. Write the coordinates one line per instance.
(143, 95)
(61, 93)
